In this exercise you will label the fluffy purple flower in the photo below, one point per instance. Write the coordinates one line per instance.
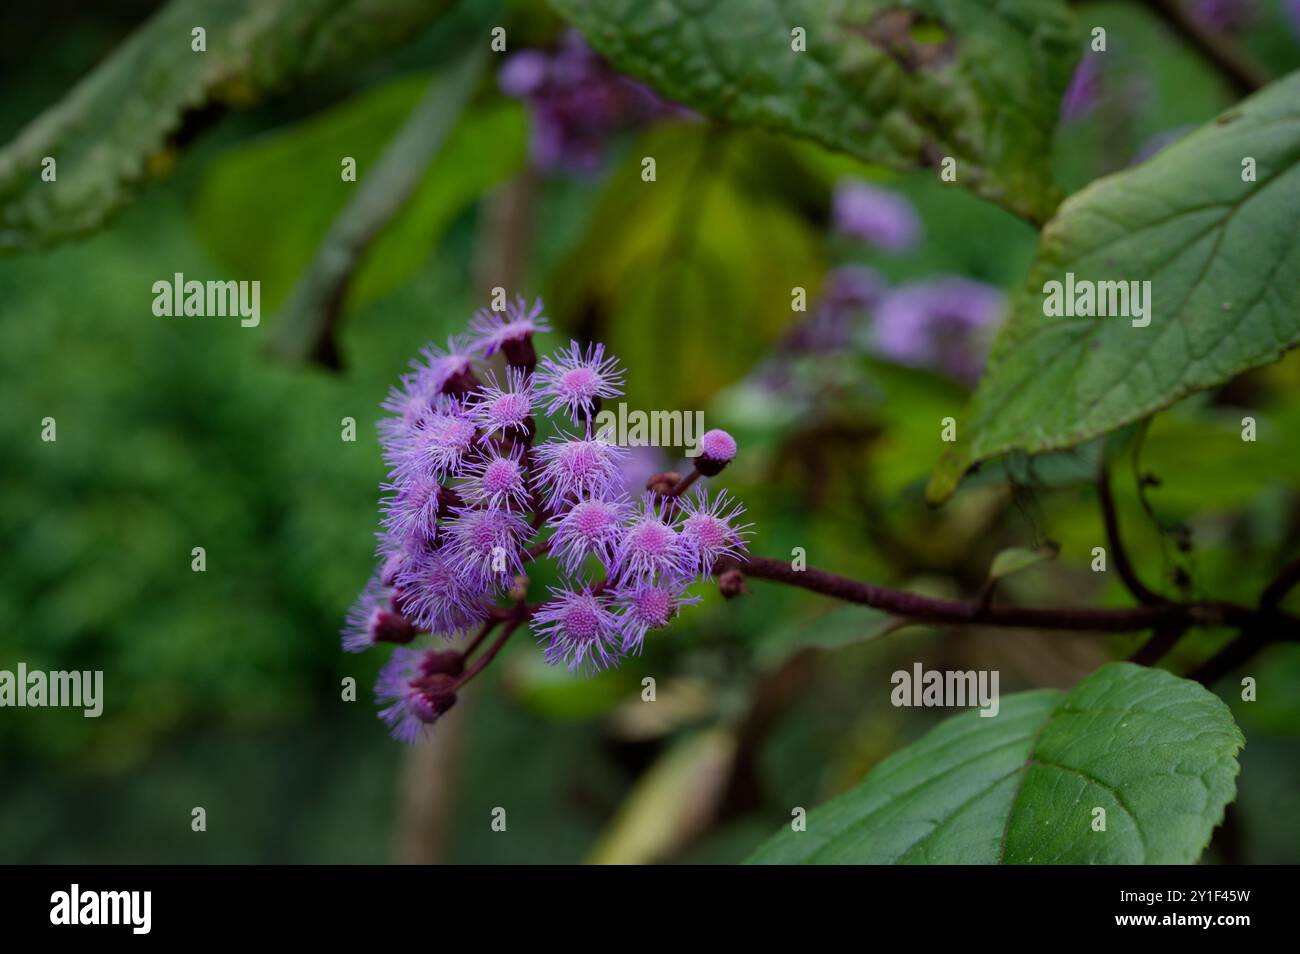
(591, 527)
(442, 372)
(939, 323)
(575, 381)
(436, 590)
(649, 605)
(437, 446)
(411, 511)
(415, 688)
(876, 216)
(372, 620)
(575, 467)
(710, 530)
(496, 331)
(1084, 89)
(506, 409)
(580, 630)
(651, 545)
(487, 544)
(496, 478)
(1292, 10)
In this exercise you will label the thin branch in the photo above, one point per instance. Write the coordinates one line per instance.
(478, 639)
(685, 483)
(1230, 657)
(1281, 585)
(1119, 556)
(1077, 619)
(489, 654)
(1164, 639)
(1236, 65)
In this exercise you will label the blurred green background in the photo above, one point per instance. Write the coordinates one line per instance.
(222, 688)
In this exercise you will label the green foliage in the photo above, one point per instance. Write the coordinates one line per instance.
(901, 86)
(407, 165)
(1015, 559)
(292, 178)
(696, 266)
(1217, 251)
(1155, 751)
(111, 132)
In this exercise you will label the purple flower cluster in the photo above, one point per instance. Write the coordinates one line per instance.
(943, 324)
(475, 493)
(577, 101)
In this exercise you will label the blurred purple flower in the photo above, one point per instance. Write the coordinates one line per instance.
(939, 323)
(1084, 89)
(1227, 15)
(876, 216)
(1291, 8)
(577, 102)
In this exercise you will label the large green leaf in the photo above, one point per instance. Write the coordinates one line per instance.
(1223, 259)
(108, 132)
(1157, 752)
(892, 83)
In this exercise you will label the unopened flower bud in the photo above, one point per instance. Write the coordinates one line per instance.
(519, 587)
(461, 383)
(663, 483)
(442, 662)
(717, 448)
(387, 626)
(731, 584)
(520, 352)
(431, 697)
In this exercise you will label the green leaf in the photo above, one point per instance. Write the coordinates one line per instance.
(1015, 559)
(1157, 752)
(892, 84)
(383, 194)
(291, 177)
(689, 275)
(111, 131)
(674, 801)
(1222, 256)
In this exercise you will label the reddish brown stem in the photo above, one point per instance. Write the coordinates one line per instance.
(916, 607)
